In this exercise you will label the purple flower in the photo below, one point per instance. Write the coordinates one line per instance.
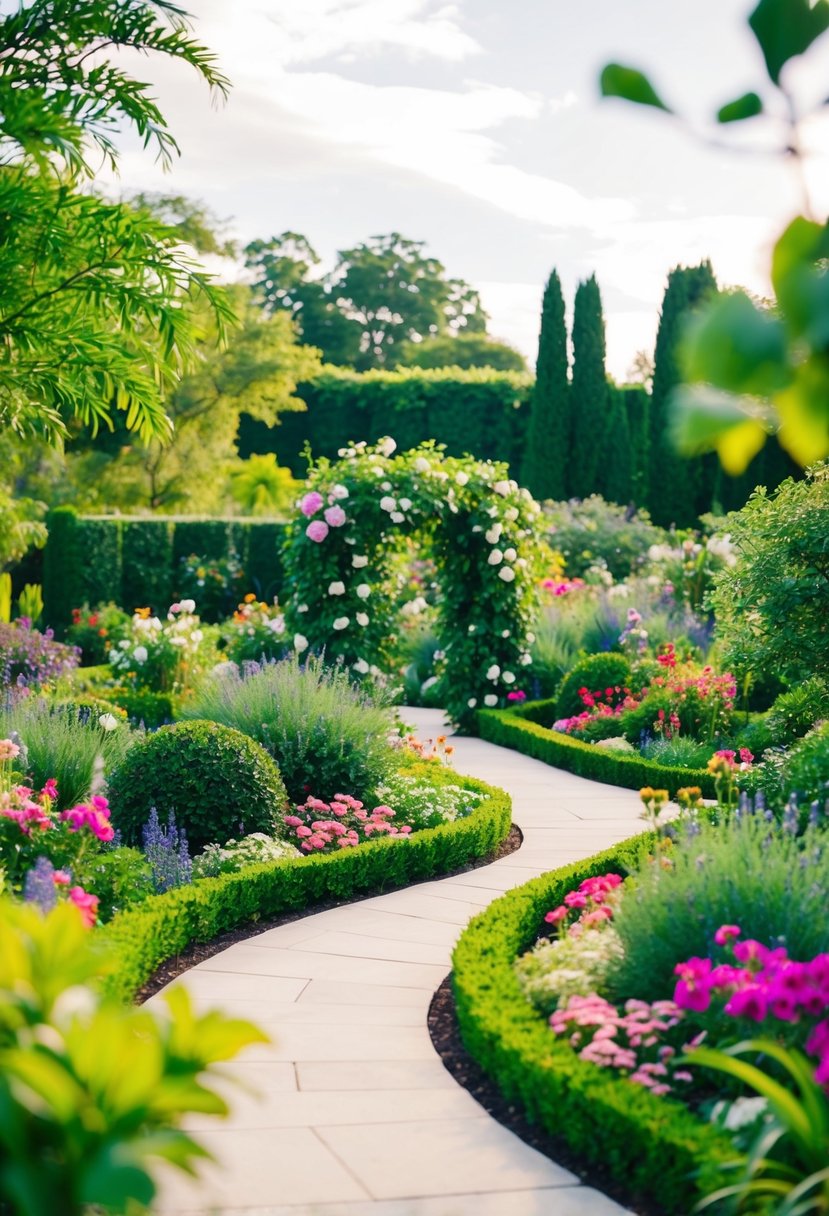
(39, 885)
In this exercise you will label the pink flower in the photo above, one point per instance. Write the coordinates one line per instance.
(692, 990)
(8, 750)
(725, 933)
(746, 756)
(86, 904)
(576, 899)
(303, 831)
(557, 915)
(61, 878)
(317, 530)
(748, 1002)
(311, 503)
(50, 790)
(335, 517)
(518, 695)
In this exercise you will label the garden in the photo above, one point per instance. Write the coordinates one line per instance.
(214, 652)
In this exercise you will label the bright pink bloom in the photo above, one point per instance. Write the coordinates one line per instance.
(557, 915)
(317, 530)
(725, 933)
(86, 904)
(335, 517)
(748, 1002)
(311, 503)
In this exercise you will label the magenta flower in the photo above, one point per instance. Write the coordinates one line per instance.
(693, 989)
(86, 904)
(749, 1002)
(317, 530)
(557, 915)
(335, 517)
(725, 933)
(311, 503)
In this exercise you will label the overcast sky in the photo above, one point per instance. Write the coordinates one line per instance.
(476, 126)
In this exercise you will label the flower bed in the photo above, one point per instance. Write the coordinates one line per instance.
(655, 1147)
(520, 729)
(144, 937)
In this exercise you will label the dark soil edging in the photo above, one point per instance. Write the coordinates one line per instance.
(199, 951)
(446, 1040)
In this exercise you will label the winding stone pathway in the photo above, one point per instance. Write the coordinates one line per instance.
(350, 1112)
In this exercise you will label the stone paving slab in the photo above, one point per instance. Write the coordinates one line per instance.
(355, 1114)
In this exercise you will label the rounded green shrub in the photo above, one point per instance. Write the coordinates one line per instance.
(218, 783)
(796, 712)
(805, 769)
(596, 671)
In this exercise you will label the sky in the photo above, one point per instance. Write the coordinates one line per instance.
(476, 126)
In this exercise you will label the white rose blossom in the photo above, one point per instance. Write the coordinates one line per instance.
(339, 491)
(490, 699)
(361, 666)
(461, 478)
(506, 573)
(387, 503)
(502, 487)
(525, 660)
(362, 618)
(342, 622)
(336, 588)
(494, 672)
(364, 591)
(508, 677)
(397, 517)
(387, 446)
(405, 504)
(140, 654)
(358, 561)
(300, 643)
(493, 534)
(422, 465)
(472, 702)
(495, 558)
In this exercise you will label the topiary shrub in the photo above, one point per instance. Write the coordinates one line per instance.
(217, 781)
(595, 672)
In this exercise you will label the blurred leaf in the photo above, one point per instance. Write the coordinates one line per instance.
(786, 28)
(804, 413)
(735, 345)
(800, 279)
(632, 85)
(747, 106)
(704, 419)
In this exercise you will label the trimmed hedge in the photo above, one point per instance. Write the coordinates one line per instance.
(651, 1146)
(478, 411)
(135, 560)
(524, 729)
(142, 938)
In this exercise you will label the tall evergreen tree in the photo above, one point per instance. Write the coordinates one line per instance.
(545, 459)
(589, 391)
(678, 487)
(637, 402)
(615, 480)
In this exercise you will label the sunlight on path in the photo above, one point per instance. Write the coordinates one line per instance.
(349, 1111)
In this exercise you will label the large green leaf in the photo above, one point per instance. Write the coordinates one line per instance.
(704, 419)
(632, 85)
(786, 28)
(747, 106)
(737, 347)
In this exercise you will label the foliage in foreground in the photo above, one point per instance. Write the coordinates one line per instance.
(92, 1093)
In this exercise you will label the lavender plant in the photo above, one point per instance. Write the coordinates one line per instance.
(168, 853)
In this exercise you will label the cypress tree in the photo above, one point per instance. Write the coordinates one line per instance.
(678, 486)
(545, 456)
(615, 480)
(637, 402)
(589, 391)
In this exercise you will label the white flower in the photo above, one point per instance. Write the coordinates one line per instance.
(405, 504)
(472, 702)
(531, 638)
(477, 528)
(387, 503)
(493, 534)
(339, 491)
(362, 618)
(300, 643)
(490, 699)
(386, 446)
(124, 644)
(302, 608)
(495, 558)
(196, 636)
(508, 677)
(502, 487)
(504, 633)
(358, 561)
(362, 666)
(385, 485)
(178, 641)
(511, 514)
(140, 654)
(188, 605)
(439, 656)
(277, 624)
(522, 563)
(461, 478)
(397, 517)
(493, 672)
(364, 591)
(471, 629)
(377, 469)
(452, 507)
(492, 512)
(422, 465)
(108, 722)
(341, 622)
(510, 554)
(525, 660)
(336, 588)
(506, 573)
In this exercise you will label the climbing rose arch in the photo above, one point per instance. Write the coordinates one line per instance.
(341, 546)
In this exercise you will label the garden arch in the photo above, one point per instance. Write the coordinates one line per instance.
(340, 550)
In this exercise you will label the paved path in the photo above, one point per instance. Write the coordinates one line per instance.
(356, 1115)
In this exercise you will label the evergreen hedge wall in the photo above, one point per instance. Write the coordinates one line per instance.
(90, 559)
(476, 411)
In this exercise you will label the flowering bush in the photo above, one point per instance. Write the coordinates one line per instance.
(343, 823)
(168, 853)
(256, 631)
(426, 803)
(29, 658)
(96, 631)
(213, 583)
(340, 554)
(253, 850)
(46, 887)
(568, 966)
(159, 655)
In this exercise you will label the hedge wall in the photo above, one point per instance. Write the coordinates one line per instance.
(652, 1146)
(524, 729)
(476, 411)
(134, 560)
(142, 938)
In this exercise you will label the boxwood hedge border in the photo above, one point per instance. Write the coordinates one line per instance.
(652, 1147)
(139, 939)
(520, 729)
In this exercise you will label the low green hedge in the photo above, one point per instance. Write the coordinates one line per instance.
(143, 937)
(521, 730)
(654, 1147)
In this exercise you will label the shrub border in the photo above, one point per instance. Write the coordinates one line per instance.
(515, 728)
(651, 1146)
(141, 938)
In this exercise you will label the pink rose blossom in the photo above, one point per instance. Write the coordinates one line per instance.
(311, 503)
(335, 516)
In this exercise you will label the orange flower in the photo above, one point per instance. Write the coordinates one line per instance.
(249, 598)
